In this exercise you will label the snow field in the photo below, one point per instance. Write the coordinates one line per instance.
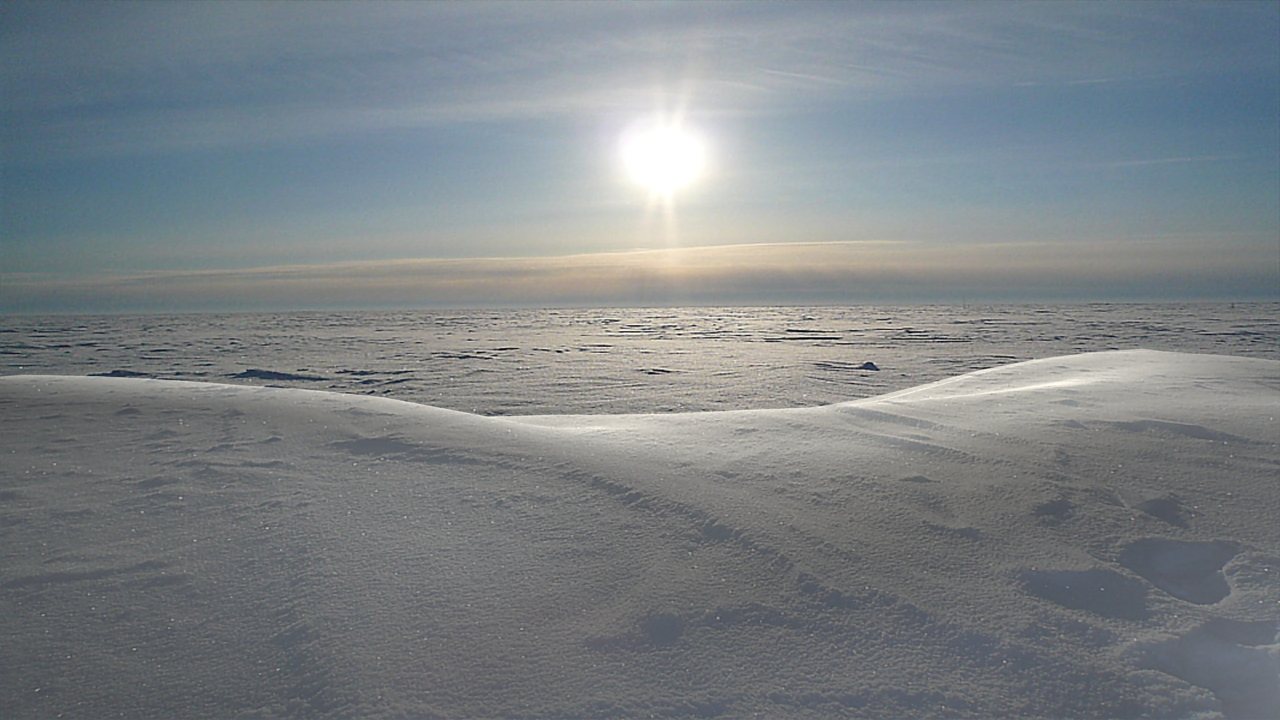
(1082, 536)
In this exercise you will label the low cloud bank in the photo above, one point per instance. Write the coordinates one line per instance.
(777, 273)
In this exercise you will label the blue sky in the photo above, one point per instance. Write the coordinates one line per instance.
(186, 156)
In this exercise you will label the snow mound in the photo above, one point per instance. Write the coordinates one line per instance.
(1083, 536)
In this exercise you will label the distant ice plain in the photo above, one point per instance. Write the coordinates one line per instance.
(1088, 535)
(571, 361)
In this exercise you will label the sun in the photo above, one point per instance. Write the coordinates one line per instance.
(663, 157)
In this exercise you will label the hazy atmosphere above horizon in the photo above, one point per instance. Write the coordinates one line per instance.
(266, 155)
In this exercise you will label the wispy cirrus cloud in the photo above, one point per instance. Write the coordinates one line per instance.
(125, 78)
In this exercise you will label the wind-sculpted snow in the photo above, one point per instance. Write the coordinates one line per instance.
(1082, 536)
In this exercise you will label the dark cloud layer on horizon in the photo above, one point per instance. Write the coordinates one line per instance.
(761, 274)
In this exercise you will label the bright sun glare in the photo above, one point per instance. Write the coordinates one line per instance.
(664, 158)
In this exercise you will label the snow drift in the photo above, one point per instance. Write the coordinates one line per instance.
(1083, 536)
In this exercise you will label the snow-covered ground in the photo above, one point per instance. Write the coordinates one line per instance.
(1091, 535)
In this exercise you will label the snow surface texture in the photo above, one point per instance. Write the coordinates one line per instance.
(1083, 536)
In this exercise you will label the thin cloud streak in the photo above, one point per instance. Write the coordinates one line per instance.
(763, 274)
(1175, 161)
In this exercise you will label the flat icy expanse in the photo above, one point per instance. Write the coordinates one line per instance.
(557, 362)
(1092, 535)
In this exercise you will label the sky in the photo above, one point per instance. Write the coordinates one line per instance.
(273, 156)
